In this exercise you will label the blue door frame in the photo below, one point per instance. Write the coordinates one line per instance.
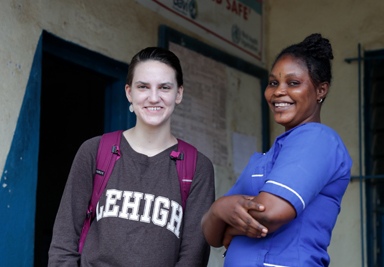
(19, 178)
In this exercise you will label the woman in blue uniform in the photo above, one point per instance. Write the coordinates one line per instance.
(283, 207)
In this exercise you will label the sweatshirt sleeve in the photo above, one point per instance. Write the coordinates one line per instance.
(73, 207)
(194, 249)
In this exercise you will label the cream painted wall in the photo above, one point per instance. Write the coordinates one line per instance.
(345, 23)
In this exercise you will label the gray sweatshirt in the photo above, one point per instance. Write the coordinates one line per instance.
(139, 219)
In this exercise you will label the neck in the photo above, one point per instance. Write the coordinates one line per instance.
(149, 140)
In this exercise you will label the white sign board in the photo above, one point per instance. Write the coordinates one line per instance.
(234, 25)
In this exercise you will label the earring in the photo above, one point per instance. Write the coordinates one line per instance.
(320, 101)
(131, 107)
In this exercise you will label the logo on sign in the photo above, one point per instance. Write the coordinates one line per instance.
(239, 36)
(186, 7)
(236, 34)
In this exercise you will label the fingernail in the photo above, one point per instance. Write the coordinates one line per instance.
(264, 231)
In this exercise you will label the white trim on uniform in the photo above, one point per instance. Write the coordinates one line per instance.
(257, 175)
(273, 265)
(290, 189)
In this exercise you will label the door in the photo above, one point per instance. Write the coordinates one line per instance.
(82, 96)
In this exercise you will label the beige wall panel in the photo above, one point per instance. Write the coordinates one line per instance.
(345, 23)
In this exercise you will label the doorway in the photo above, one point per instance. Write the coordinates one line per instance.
(374, 155)
(82, 96)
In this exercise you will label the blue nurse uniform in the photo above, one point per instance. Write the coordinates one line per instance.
(309, 167)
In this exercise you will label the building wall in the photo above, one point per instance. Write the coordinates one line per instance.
(345, 23)
(117, 29)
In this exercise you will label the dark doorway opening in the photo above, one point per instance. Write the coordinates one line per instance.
(72, 110)
(374, 155)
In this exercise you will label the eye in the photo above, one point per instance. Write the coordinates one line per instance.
(141, 86)
(293, 83)
(272, 83)
(165, 87)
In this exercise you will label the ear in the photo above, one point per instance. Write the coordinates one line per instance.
(322, 90)
(179, 95)
(128, 92)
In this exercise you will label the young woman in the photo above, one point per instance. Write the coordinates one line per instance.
(138, 220)
(283, 207)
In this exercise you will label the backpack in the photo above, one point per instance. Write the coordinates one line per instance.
(109, 152)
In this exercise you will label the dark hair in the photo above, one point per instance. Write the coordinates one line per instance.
(158, 54)
(316, 52)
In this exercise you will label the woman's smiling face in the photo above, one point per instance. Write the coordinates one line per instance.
(154, 93)
(291, 94)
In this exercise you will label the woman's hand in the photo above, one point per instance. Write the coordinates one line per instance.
(232, 210)
(228, 236)
(277, 212)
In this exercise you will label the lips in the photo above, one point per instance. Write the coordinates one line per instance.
(282, 104)
(153, 108)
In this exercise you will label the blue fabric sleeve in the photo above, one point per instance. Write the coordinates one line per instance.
(307, 160)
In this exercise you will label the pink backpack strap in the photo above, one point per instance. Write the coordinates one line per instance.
(186, 157)
(107, 154)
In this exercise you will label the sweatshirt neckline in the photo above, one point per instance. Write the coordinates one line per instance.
(136, 154)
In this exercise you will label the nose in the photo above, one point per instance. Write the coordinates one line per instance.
(153, 95)
(280, 91)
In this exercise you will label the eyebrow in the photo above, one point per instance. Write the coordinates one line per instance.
(167, 83)
(161, 84)
(288, 75)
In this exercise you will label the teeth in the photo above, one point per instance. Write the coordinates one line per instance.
(153, 108)
(282, 104)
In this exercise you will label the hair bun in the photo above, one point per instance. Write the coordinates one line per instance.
(317, 46)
